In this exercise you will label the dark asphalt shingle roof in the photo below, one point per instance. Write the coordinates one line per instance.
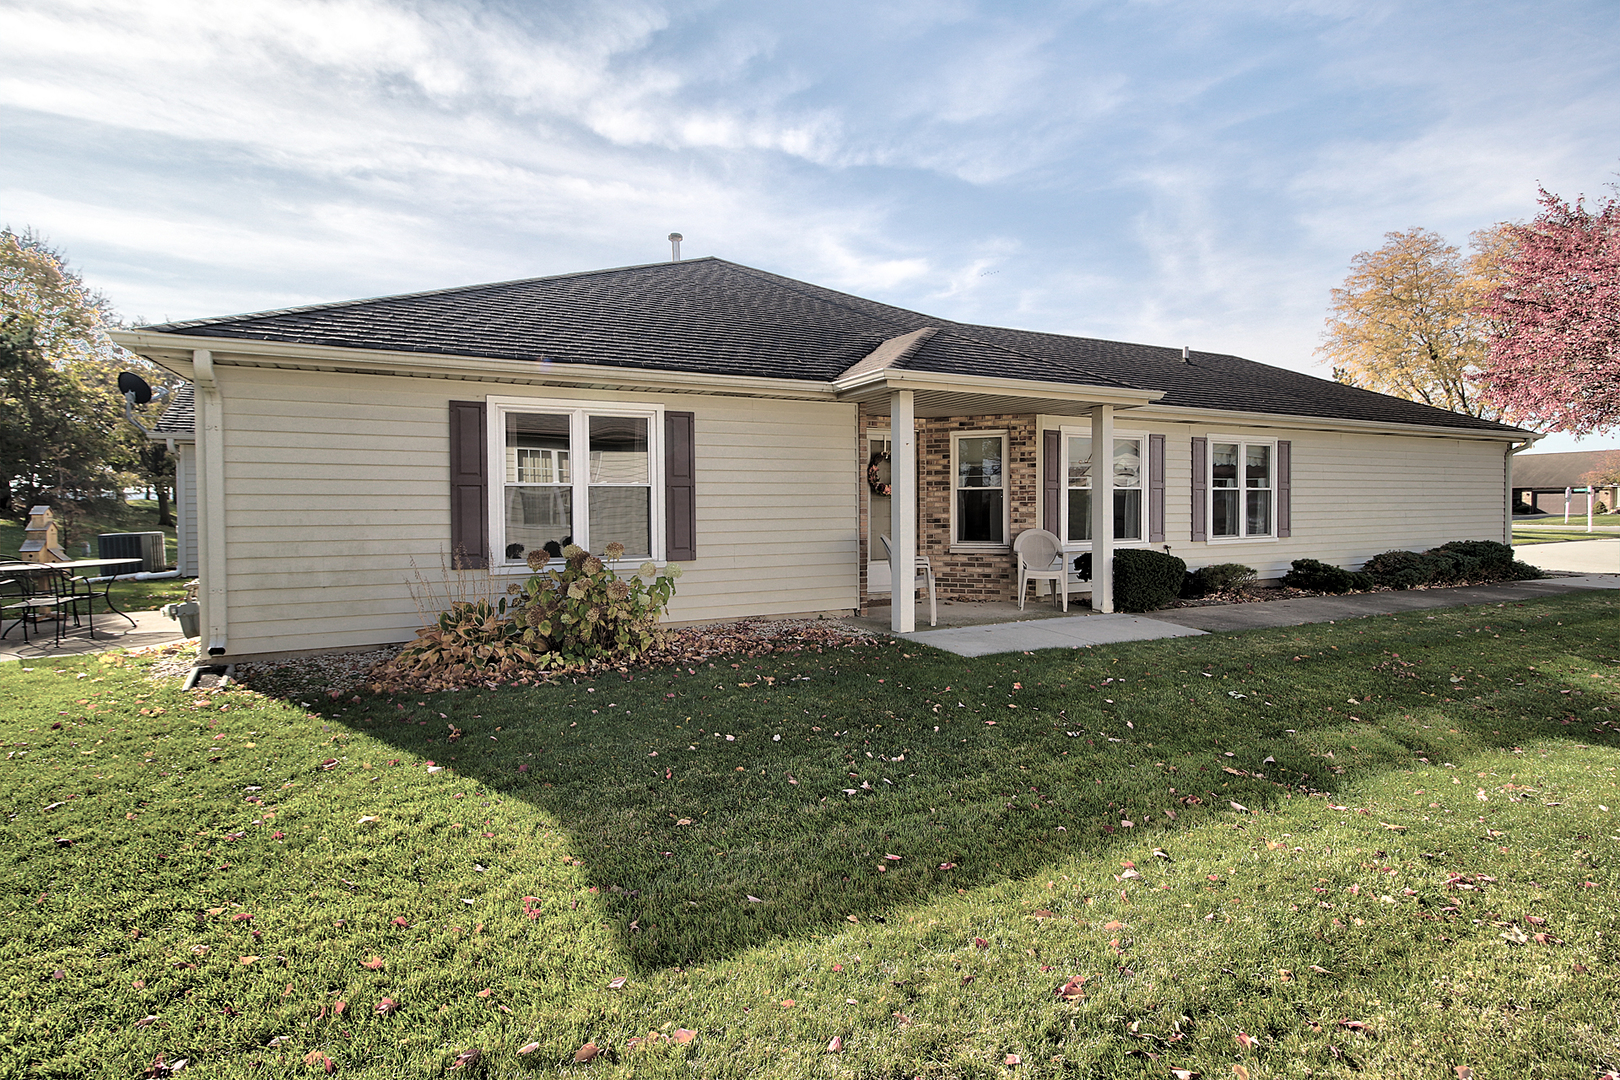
(716, 317)
(180, 414)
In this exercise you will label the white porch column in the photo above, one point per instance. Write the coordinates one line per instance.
(1102, 508)
(902, 512)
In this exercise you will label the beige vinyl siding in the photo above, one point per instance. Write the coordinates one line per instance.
(1354, 495)
(185, 509)
(337, 499)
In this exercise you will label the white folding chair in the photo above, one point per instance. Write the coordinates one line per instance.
(923, 580)
(1040, 558)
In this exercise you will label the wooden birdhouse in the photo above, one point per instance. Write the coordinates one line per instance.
(40, 542)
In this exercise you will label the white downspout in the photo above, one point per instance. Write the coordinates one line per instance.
(1102, 508)
(210, 503)
(902, 512)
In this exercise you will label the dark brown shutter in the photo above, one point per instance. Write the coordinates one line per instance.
(469, 485)
(1200, 488)
(1155, 489)
(680, 487)
(1052, 482)
(1285, 454)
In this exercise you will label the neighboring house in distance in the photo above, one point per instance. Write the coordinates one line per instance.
(726, 419)
(1538, 475)
(177, 429)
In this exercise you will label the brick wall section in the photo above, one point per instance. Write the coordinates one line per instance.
(966, 576)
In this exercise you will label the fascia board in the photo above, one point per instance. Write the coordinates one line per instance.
(173, 351)
(980, 384)
(1183, 415)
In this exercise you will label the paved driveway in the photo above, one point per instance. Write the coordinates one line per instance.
(1575, 556)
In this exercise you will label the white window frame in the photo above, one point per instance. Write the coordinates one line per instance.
(1243, 443)
(579, 412)
(1005, 543)
(1084, 431)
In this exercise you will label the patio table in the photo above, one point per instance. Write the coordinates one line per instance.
(66, 578)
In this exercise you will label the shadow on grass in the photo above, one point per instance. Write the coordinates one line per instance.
(720, 807)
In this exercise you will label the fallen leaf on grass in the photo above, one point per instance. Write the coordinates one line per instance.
(386, 1006)
(329, 763)
(485, 992)
(586, 1053)
(1245, 1040)
(1464, 1073)
(789, 1003)
(528, 1048)
(682, 1036)
(1012, 1059)
(319, 1059)
(369, 819)
(1514, 936)
(1113, 924)
(146, 1021)
(1357, 1026)
(466, 1058)
(836, 1046)
(1240, 1072)
(980, 943)
(1043, 914)
(374, 964)
(1184, 1074)
(247, 959)
(618, 983)
(1073, 990)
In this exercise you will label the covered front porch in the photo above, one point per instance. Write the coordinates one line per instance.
(972, 462)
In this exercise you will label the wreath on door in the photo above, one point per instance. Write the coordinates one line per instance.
(874, 474)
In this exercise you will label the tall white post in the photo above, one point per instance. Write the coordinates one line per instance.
(902, 512)
(1102, 508)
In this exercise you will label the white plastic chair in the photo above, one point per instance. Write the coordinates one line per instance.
(1040, 558)
(923, 580)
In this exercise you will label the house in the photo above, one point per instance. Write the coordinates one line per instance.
(763, 433)
(1537, 475)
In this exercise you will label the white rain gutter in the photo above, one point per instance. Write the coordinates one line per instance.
(211, 501)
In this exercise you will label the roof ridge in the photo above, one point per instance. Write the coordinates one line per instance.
(337, 305)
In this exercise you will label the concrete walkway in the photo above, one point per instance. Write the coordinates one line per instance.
(1081, 631)
(151, 628)
(1573, 556)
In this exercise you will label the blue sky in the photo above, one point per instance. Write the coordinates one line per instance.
(1194, 173)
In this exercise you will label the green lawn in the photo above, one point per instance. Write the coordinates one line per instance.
(136, 515)
(1385, 847)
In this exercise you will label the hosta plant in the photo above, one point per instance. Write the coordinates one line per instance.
(576, 616)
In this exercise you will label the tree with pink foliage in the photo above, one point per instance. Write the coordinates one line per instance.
(1554, 360)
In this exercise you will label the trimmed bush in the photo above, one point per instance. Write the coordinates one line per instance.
(1459, 560)
(1317, 576)
(1146, 580)
(1221, 577)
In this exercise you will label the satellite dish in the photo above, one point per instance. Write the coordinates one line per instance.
(131, 383)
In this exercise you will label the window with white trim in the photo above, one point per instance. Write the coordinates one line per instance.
(1130, 474)
(979, 489)
(580, 474)
(1242, 488)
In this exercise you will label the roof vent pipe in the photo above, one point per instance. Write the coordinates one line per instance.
(675, 239)
(1186, 355)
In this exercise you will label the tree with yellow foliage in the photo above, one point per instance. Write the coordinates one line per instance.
(1407, 321)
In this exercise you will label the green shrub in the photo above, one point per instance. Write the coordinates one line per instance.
(577, 616)
(1219, 578)
(1318, 576)
(1146, 580)
(1399, 569)
(1459, 560)
(1491, 554)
